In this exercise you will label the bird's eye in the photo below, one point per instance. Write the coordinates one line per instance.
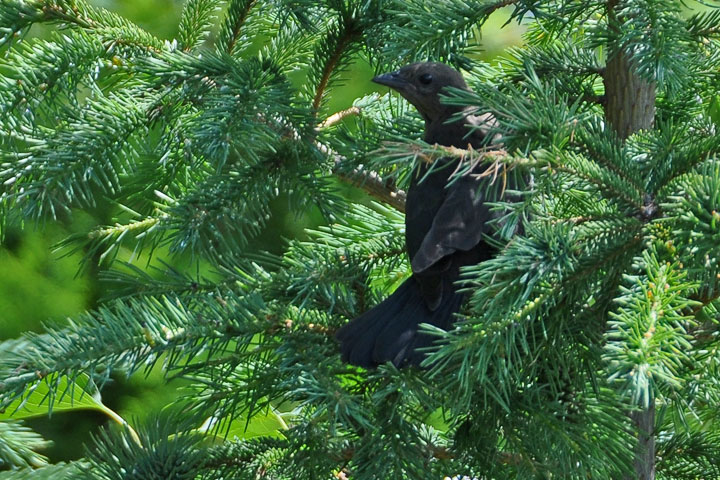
(426, 79)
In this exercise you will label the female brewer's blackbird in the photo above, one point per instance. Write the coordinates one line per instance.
(444, 227)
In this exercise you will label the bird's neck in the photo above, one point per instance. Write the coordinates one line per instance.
(451, 131)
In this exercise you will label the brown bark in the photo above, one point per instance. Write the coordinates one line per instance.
(630, 99)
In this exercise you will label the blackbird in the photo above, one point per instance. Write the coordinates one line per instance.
(445, 223)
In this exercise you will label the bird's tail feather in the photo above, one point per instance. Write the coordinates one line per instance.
(389, 331)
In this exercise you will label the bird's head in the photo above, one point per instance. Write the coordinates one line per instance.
(421, 84)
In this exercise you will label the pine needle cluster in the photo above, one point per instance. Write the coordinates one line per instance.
(589, 347)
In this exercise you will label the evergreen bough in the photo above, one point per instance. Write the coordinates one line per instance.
(589, 346)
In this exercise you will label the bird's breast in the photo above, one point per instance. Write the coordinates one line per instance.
(426, 194)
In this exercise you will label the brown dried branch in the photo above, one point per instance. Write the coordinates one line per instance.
(386, 191)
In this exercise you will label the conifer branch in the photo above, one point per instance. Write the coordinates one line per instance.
(382, 190)
(80, 14)
(19, 446)
(441, 35)
(237, 14)
(336, 48)
(195, 22)
(386, 191)
(568, 326)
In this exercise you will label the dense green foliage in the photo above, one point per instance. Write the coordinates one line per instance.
(605, 304)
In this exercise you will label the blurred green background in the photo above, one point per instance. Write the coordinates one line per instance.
(39, 285)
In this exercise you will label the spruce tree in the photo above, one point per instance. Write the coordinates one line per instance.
(589, 344)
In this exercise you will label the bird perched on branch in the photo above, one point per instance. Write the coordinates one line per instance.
(444, 227)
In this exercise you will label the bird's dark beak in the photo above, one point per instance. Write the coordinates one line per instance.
(392, 80)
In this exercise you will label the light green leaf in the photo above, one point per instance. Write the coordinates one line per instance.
(267, 424)
(59, 394)
(438, 420)
(714, 110)
(56, 395)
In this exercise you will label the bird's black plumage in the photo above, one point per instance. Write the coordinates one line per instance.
(444, 228)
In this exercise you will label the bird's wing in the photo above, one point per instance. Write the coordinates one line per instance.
(459, 224)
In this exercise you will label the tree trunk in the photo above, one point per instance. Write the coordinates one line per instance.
(630, 107)
(630, 99)
(644, 421)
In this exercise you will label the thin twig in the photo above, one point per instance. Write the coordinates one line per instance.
(336, 118)
(235, 31)
(344, 41)
(377, 187)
